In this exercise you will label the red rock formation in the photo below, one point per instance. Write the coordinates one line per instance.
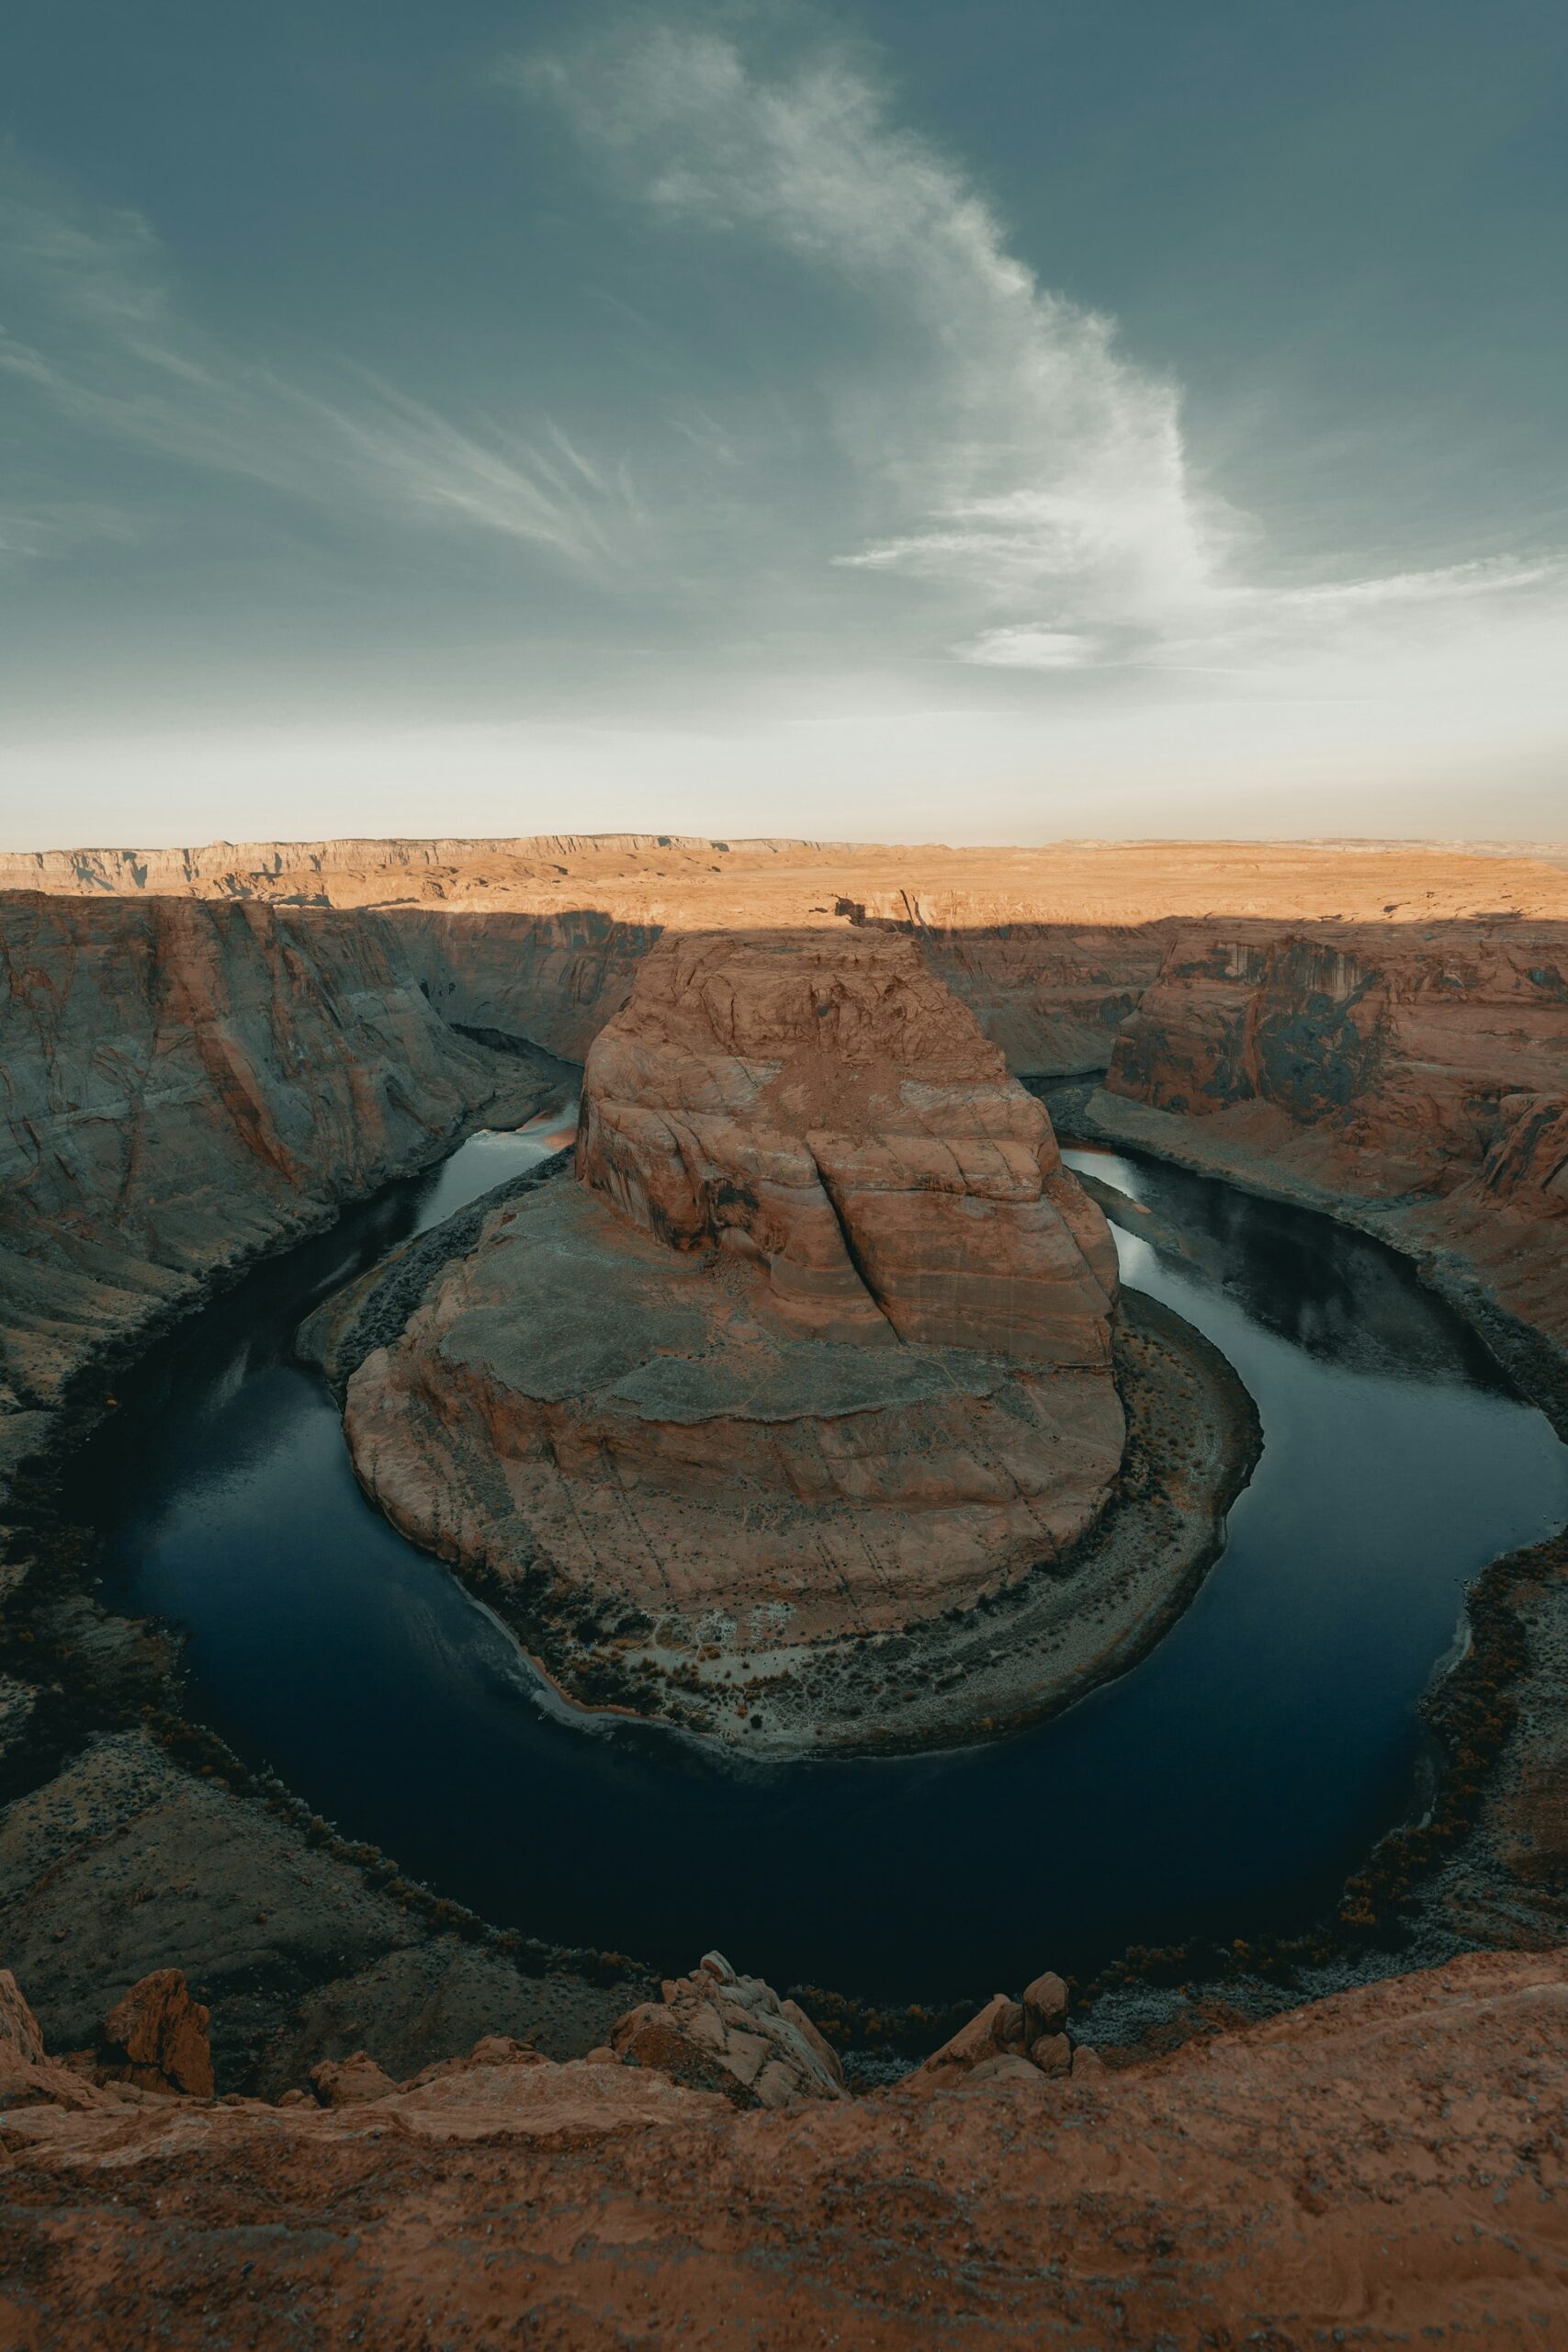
(827, 1110)
(835, 1360)
(156, 2037)
(1377, 2170)
(184, 1083)
(716, 2030)
(1006, 2039)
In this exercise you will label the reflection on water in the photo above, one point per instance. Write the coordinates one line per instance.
(1338, 1296)
(1225, 1785)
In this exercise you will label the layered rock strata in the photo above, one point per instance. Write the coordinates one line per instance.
(818, 1347)
(1049, 947)
(1421, 1071)
(827, 1114)
(183, 1085)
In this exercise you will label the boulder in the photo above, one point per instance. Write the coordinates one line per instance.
(350, 2082)
(1008, 2068)
(1046, 2004)
(1052, 2053)
(1005, 2040)
(156, 2038)
(718, 2031)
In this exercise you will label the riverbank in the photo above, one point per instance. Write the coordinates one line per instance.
(1531, 1353)
(1485, 1867)
(129, 1832)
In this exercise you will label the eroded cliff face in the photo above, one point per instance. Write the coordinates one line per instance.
(1424, 1067)
(1049, 948)
(183, 1085)
(818, 1349)
(550, 979)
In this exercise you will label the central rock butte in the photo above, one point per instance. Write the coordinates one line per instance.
(817, 1348)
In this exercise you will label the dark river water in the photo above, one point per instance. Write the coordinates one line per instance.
(1225, 1785)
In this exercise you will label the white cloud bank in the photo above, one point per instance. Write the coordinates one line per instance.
(1029, 467)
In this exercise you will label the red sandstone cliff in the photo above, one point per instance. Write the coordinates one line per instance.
(184, 1083)
(1422, 1068)
(826, 1109)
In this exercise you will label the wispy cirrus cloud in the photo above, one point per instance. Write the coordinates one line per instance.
(1012, 446)
(97, 334)
(1021, 460)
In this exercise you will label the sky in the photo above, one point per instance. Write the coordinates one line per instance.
(899, 420)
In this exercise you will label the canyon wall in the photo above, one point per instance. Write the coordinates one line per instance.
(1050, 948)
(1421, 1068)
(550, 979)
(1356, 1018)
(184, 1083)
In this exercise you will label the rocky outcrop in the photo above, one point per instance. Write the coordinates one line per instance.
(818, 1349)
(1422, 1069)
(1377, 2169)
(185, 1083)
(827, 1112)
(29, 2077)
(715, 2030)
(156, 2038)
(1008, 2039)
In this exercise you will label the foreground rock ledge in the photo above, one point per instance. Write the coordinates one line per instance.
(1384, 2169)
(818, 1349)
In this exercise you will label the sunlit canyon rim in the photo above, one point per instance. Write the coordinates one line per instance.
(788, 1400)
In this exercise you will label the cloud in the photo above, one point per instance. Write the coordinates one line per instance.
(1022, 463)
(38, 531)
(1022, 647)
(106, 348)
(1018, 447)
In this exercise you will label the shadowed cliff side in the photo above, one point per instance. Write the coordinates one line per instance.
(183, 1085)
(1416, 1074)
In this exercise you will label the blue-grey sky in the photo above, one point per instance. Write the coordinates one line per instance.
(955, 419)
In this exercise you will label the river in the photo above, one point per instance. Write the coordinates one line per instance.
(1225, 1785)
